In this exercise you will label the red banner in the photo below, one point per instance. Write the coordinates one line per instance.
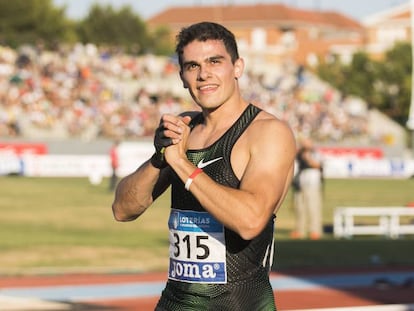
(23, 148)
(352, 152)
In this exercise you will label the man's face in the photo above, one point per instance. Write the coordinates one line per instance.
(209, 74)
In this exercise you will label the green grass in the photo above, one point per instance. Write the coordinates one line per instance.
(66, 224)
(330, 253)
(353, 192)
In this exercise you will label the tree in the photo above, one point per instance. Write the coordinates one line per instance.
(384, 84)
(105, 26)
(332, 71)
(359, 76)
(33, 22)
(160, 42)
(395, 76)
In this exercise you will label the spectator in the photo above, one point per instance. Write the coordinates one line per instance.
(308, 192)
(114, 156)
(87, 93)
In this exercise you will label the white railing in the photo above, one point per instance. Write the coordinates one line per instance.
(385, 221)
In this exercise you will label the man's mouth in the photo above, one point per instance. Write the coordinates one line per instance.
(207, 88)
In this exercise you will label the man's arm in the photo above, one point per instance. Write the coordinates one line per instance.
(310, 160)
(136, 192)
(264, 159)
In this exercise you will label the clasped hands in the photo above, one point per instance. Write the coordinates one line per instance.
(171, 134)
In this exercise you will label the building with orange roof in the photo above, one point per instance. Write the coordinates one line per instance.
(386, 28)
(274, 32)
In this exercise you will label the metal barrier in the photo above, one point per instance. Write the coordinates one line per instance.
(376, 221)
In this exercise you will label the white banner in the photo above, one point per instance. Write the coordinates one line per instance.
(66, 165)
(132, 155)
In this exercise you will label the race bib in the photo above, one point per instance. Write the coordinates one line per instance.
(197, 248)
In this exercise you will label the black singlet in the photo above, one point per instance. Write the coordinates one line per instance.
(246, 286)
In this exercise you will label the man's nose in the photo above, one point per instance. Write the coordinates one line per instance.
(203, 73)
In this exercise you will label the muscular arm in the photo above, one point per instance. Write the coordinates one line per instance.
(136, 192)
(265, 166)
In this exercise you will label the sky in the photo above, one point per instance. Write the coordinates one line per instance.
(356, 9)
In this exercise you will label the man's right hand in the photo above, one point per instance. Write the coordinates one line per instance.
(161, 141)
(169, 132)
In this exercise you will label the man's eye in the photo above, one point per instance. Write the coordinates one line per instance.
(192, 67)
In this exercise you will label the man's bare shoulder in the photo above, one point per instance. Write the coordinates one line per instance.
(272, 134)
(266, 121)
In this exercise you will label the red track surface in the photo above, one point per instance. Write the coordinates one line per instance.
(318, 297)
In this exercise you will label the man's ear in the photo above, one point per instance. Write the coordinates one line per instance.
(238, 68)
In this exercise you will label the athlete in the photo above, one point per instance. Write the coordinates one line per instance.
(229, 168)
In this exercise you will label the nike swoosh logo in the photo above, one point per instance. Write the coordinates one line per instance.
(203, 164)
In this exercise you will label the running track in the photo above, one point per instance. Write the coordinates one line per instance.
(383, 289)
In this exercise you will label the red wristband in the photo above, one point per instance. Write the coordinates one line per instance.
(191, 178)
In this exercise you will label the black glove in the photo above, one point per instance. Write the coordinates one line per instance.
(160, 143)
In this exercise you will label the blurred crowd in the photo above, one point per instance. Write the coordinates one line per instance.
(88, 93)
